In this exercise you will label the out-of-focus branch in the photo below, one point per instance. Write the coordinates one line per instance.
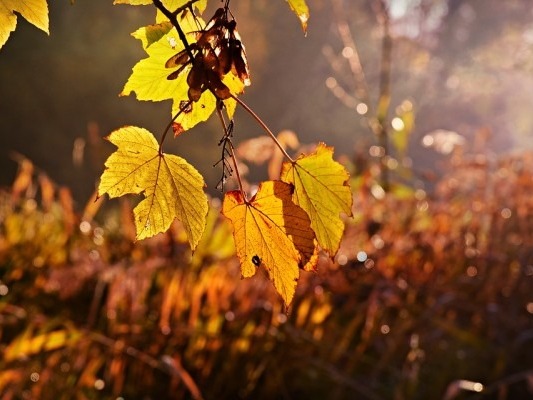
(169, 365)
(361, 87)
(376, 117)
(382, 111)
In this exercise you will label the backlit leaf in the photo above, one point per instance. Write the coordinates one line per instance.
(175, 4)
(202, 109)
(169, 4)
(300, 8)
(149, 78)
(35, 12)
(134, 2)
(272, 231)
(172, 187)
(321, 189)
(150, 34)
(28, 344)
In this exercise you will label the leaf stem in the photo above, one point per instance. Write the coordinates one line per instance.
(184, 107)
(172, 16)
(263, 125)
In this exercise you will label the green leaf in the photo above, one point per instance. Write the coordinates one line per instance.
(35, 12)
(172, 187)
(300, 8)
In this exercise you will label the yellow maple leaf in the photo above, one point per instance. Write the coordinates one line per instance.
(172, 5)
(172, 187)
(35, 12)
(202, 109)
(321, 189)
(272, 231)
(169, 4)
(300, 8)
(149, 77)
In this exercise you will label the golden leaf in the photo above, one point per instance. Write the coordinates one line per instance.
(149, 77)
(28, 344)
(35, 12)
(169, 4)
(172, 187)
(300, 8)
(321, 189)
(272, 231)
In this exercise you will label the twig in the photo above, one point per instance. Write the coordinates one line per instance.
(226, 139)
(377, 117)
(263, 125)
(167, 365)
(384, 86)
(182, 108)
(507, 381)
(354, 61)
(172, 17)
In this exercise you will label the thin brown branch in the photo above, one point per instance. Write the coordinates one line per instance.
(264, 126)
(227, 133)
(166, 365)
(172, 17)
(184, 107)
(383, 17)
(376, 116)
(354, 61)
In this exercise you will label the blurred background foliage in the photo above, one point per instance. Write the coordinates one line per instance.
(430, 296)
(462, 64)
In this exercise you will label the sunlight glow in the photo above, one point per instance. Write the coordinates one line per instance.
(99, 384)
(347, 52)
(229, 316)
(342, 259)
(85, 227)
(378, 242)
(331, 82)
(377, 191)
(471, 271)
(471, 386)
(506, 213)
(376, 151)
(361, 109)
(361, 256)
(397, 124)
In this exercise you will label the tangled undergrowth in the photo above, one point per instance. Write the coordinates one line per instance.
(430, 297)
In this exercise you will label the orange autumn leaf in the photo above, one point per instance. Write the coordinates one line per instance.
(270, 230)
(321, 189)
